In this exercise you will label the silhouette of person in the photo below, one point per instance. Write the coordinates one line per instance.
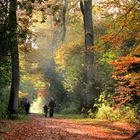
(52, 105)
(27, 106)
(46, 109)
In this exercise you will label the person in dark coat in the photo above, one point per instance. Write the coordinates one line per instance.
(52, 105)
(46, 110)
(27, 106)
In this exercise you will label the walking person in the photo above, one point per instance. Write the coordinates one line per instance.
(46, 110)
(27, 106)
(51, 105)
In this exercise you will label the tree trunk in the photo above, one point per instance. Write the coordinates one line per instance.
(60, 29)
(13, 100)
(63, 15)
(86, 8)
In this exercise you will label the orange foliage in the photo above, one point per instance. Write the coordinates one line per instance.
(128, 79)
(22, 94)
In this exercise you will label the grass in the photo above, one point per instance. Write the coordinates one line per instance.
(19, 118)
(69, 116)
(77, 118)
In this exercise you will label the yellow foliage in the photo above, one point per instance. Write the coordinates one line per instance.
(63, 54)
(136, 50)
(22, 94)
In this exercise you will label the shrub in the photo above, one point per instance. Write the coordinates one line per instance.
(72, 109)
(107, 111)
(124, 113)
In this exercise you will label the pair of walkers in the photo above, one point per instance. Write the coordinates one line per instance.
(51, 106)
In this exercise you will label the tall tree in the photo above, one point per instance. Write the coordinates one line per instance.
(13, 100)
(86, 9)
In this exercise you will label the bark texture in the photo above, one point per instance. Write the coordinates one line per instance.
(86, 9)
(13, 100)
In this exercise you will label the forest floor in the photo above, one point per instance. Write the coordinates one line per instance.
(39, 128)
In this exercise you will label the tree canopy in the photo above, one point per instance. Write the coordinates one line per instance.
(85, 54)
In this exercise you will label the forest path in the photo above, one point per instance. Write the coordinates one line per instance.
(41, 128)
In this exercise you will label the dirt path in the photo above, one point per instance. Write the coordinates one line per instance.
(64, 129)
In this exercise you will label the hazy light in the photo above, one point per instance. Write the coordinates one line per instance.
(33, 29)
(37, 105)
(34, 45)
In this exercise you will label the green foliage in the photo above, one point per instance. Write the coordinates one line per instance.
(105, 110)
(4, 72)
(71, 109)
(125, 113)
(70, 61)
(55, 86)
(103, 73)
(103, 100)
(65, 79)
(4, 85)
(28, 89)
(4, 98)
